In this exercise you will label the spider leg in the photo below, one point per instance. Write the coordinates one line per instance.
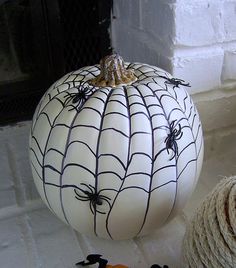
(70, 94)
(185, 84)
(166, 139)
(95, 206)
(169, 142)
(103, 197)
(92, 206)
(180, 134)
(73, 107)
(176, 148)
(100, 212)
(168, 150)
(83, 198)
(107, 199)
(167, 82)
(174, 154)
(179, 127)
(177, 131)
(172, 124)
(67, 99)
(90, 187)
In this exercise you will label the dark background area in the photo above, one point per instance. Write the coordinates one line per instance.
(41, 40)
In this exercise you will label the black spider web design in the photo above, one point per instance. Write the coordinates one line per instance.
(124, 166)
(147, 77)
(67, 82)
(190, 125)
(188, 108)
(152, 159)
(97, 154)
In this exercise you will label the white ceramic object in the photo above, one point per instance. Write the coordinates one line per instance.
(120, 161)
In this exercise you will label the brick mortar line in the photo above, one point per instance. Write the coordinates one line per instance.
(205, 49)
(215, 94)
(18, 185)
(224, 131)
(15, 211)
(30, 243)
(138, 243)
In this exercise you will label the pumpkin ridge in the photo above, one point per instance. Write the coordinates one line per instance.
(44, 154)
(150, 74)
(152, 156)
(40, 111)
(37, 143)
(81, 142)
(114, 156)
(35, 155)
(63, 162)
(191, 126)
(63, 167)
(190, 113)
(67, 144)
(116, 113)
(127, 163)
(175, 165)
(70, 83)
(194, 159)
(97, 153)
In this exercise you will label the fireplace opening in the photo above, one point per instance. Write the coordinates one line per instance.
(40, 40)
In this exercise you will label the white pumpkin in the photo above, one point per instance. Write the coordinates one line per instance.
(119, 155)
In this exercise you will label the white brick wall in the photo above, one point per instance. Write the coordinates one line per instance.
(202, 67)
(205, 36)
(194, 40)
(198, 23)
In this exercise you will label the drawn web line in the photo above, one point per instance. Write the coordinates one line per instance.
(152, 156)
(97, 154)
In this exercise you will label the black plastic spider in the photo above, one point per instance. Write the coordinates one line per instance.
(93, 259)
(95, 199)
(172, 137)
(175, 81)
(79, 97)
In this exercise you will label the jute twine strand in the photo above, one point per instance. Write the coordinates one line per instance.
(210, 239)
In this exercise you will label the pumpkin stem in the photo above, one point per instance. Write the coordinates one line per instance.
(113, 72)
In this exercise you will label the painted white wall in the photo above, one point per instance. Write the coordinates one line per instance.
(194, 40)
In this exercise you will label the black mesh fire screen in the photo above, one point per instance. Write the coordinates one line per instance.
(86, 31)
(40, 40)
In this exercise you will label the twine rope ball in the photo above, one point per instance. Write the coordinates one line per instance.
(210, 239)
